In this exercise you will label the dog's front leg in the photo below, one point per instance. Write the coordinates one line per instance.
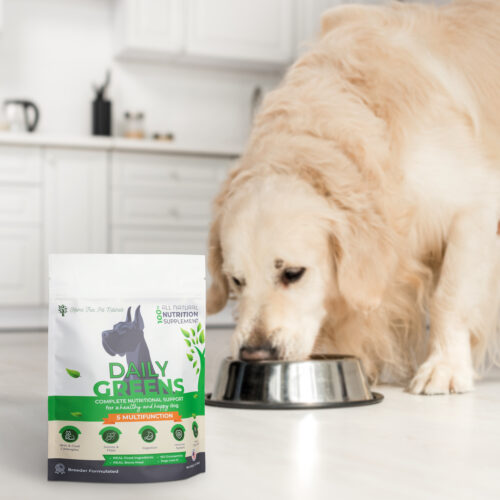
(461, 297)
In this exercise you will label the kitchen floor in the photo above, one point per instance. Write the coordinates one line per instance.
(411, 447)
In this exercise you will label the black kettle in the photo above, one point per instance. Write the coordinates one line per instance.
(17, 112)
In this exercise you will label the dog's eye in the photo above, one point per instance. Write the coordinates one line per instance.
(292, 274)
(237, 282)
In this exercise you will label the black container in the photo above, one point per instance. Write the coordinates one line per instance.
(101, 117)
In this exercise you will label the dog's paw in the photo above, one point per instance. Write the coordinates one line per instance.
(438, 376)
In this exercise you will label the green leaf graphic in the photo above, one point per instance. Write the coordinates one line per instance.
(194, 364)
(76, 413)
(73, 373)
(193, 332)
(195, 395)
(202, 336)
(198, 328)
(184, 332)
(197, 371)
(187, 342)
(192, 350)
(189, 357)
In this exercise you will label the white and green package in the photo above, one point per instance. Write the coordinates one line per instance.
(126, 367)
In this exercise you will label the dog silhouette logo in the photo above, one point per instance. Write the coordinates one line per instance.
(127, 339)
(60, 469)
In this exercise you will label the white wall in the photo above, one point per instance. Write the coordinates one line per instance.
(52, 50)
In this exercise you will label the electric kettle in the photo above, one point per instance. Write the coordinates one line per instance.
(21, 115)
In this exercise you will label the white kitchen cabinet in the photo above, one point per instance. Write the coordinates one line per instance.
(76, 204)
(76, 201)
(258, 33)
(96, 198)
(162, 204)
(20, 226)
(20, 269)
(148, 26)
(172, 174)
(241, 30)
(19, 165)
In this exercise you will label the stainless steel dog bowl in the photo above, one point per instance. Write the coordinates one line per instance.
(320, 382)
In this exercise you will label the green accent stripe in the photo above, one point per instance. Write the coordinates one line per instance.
(143, 459)
(93, 409)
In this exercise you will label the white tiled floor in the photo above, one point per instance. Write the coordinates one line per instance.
(407, 447)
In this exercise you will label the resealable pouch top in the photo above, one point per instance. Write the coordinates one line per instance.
(126, 367)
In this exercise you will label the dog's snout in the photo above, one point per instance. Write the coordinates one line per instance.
(262, 352)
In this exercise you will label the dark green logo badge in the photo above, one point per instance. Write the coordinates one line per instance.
(195, 429)
(62, 310)
(148, 433)
(69, 433)
(178, 432)
(110, 434)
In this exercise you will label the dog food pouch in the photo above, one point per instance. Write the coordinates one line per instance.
(126, 367)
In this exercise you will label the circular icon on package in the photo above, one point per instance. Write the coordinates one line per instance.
(148, 433)
(69, 433)
(110, 435)
(60, 469)
(195, 429)
(178, 432)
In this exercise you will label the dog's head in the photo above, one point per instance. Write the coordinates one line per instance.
(292, 245)
(125, 335)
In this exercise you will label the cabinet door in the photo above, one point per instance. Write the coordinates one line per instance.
(242, 30)
(20, 226)
(149, 25)
(76, 201)
(20, 265)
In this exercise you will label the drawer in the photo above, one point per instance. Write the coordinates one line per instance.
(20, 164)
(172, 240)
(20, 204)
(145, 209)
(168, 172)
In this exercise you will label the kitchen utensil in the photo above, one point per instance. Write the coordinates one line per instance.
(319, 382)
(101, 109)
(17, 113)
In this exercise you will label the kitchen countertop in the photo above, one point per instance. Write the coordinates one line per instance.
(407, 447)
(119, 144)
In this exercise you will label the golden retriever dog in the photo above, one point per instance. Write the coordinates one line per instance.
(368, 199)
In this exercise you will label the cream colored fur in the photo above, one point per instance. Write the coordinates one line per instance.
(376, 166)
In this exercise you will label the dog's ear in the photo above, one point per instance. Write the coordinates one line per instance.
(218, 292)
(138, 321)
(366, 260)
(346, 14)
(128, 319)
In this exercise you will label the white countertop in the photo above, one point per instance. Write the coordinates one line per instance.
(407, 447)
(119, 144)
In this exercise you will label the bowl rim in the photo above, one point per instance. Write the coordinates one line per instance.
(257, 405)
(313, 358)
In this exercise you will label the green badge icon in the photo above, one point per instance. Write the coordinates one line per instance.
(178, 432)
(195, 429)
(148, 433)
(69, 433)
(110, 435)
